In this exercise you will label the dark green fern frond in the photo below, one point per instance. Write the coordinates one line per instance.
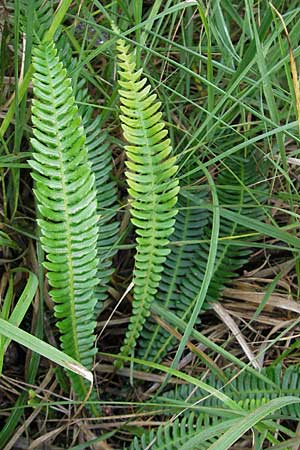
(64, 52)
(234, 184)
(182, 278)
(100, 156)
(245, 389)
(202, 428)
(173, 435)
(152, 187)
(190, 223)
(66, 199)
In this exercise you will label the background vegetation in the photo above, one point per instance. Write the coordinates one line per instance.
(216, 365)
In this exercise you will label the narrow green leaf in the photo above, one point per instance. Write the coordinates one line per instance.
(42, 348)
(263, 228)
(23, 303)
(58, 18)
(238, 430)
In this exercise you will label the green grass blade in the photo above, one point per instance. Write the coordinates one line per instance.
(182, 376)
(58, 18)
(208, 271)
(252, 419)
(22, 304)
(262, 228)
(178, 322)
(42, 348)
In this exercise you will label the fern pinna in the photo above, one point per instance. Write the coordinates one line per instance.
(66, 198)
(152, 187)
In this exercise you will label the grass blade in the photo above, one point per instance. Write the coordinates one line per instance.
(42, 348)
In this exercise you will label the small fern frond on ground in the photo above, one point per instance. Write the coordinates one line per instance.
(173, 435)
(152, 187)
(66, 197)
(245, 389)
(204, 427)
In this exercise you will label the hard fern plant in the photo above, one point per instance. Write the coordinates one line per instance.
(66, 201)
(153, 188)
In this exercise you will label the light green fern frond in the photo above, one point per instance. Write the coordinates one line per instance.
(64, 188)
(152, 187)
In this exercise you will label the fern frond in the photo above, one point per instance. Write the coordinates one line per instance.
(182, 280)
(173, 435)
(245, 389)
(212, 420)
(234, 185)
(66, 197)
(152, 187)
(190, 223)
